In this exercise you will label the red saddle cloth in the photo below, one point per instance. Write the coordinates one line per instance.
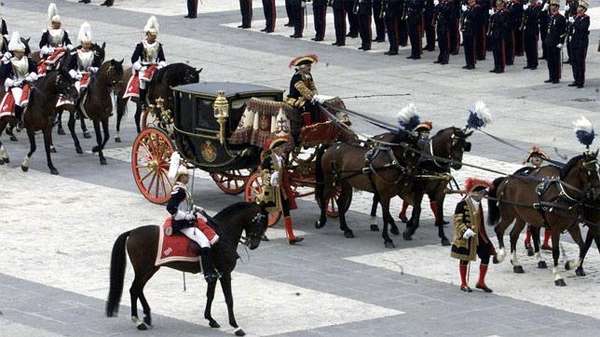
(133, 85)
(174, 247)
(7, 107)
(50, 60)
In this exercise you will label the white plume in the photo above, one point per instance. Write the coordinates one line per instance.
(174, 165)
(85, 33)
(15, 42)
(583, 124)
(53, 12)
(407, 113)
(483, 112)
(152, 25)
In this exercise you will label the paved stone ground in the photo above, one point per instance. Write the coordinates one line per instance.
(57, 232)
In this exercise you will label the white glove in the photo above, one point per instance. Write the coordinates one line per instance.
(161, 64)
(539, 1)
(45, 50)
(137, 66)
(491, 11)
(275, 179)
(93, 69)
(70, 47)
(436, 2)
(468, 234)
(545, 8)
(31, 77)
(525, 6)
(73, 74)
(559, 46)
(6, 56)
(319, 99)
(567, 7)
(9, 83)
(464, 8)
(571, 19)
(190, 216)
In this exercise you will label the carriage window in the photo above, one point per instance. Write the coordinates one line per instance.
(205, 114)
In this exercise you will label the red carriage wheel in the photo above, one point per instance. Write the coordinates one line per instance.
(233, 181)
(332, 206)
(150, 157)
(148, 119)
(253, 188)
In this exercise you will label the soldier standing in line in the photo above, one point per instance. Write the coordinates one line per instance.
(297, 12)
(531, 30)
(378, 15)
(442, 19)
(365, 12)
(496, 32)
(557, 30)
(544, 19)
(428, 25)
(509, 34)
(516, 14)
(454, 28)
(246, 9)
(570, 12)
(579, 43)
(339, 21)
(482, 28)
(320, 14)
(192, 7)
(270, 12)
(288, 12)
(468, 27)
(392, 18)
(415, 27)
(352, 18)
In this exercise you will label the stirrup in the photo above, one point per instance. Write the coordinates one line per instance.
(212, 276)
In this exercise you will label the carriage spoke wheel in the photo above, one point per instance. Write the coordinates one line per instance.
(332, 210)
(254, 188)
(233, 181)
(149, 119)
(150, 157)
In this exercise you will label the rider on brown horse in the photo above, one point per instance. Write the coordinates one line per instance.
(190, 220)
(17, 73)
(534, 160)
(85, 60)
(54, 39)
(303, 93)
(470, 239)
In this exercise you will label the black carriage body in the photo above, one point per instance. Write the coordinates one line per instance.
(197, 131)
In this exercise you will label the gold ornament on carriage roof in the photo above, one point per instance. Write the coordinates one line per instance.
(221, 110)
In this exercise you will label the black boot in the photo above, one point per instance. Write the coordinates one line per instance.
(19, 116)
(208, 267)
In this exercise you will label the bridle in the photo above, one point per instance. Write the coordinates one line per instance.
(246, 240)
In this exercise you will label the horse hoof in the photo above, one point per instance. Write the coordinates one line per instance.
(389, 244)
(518, 269)
(319, 224)
(86, 134)
(148, 321)
(6, 160)
(13, 138)
(239, 332)
(61, 132)
(403, 218)
(530, 251)
(95, 149)
(579, 271)
(117, 139)
(395, 231)
(142, 327)
(52, 149)
(542, 265)
(213, 324)
(407, 236)
(348, 234)
(495, 260)
(560, 283)
(445, 242)
(265, 238)
(567, 265)
(2, 161)
(374, 228)
(54, 171)
(24, 168)
(78, 150)
(102, 161)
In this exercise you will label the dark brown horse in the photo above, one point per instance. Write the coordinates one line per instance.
(39, 114)
(97, 105)
(547, 196)
(142, 242)
(160, 87)
(433, 177)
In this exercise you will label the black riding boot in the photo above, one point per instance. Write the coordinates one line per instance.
(19, 116)
(141, 104)
(208, 267)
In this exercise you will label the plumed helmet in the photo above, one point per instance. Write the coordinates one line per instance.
(408, 117)
(15, 43)
(584, 3)
(85, 33)
(53, 13)
(555, 2)
(152, 25)
(476, 184)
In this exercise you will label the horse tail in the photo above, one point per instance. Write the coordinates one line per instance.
(118, 262)
(319, 176)
(493, 202)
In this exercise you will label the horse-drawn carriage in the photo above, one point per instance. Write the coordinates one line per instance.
(220, 127)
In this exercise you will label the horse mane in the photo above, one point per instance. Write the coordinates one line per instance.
(172, 72)
(453, 128)
(570, 165)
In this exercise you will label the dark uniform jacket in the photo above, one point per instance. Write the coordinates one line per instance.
(302, 89)
(556, 30)
(515, 11)
(470, 20)
(178, 195)
(443, 15)
(74, 59)
(47, 39)
(581, 32)
(531, 19)
(498, 25)
(7, 71)
(414, 10)
(138, 54)
(468, 216)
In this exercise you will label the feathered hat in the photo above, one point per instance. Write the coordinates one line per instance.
(175, 167)
(152, 25)
(535, 152)
(53, 13)
(584, 130)
(584, 3)
(426, 125)
(302, 60)
(408, 117)
(479, 116)
(471, 184)
(85, 33)
(15, 43)
(272, 143)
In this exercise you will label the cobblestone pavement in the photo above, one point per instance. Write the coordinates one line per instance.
(57, 231)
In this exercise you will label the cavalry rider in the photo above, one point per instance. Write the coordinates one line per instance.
(84, 61)
(470, 239)
(277, 194)
(535, 160)
(147, 58)
(190, 220)
(54, 40)
(18, 72)
(303, 93)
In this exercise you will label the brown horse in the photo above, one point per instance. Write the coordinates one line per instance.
(39, 114)
(142, 242)
(97, 105)
(548, 196)
(160, 87)
(433, 177)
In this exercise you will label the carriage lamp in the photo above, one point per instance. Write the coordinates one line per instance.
(221, 110)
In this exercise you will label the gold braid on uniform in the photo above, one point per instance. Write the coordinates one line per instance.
(304, 90)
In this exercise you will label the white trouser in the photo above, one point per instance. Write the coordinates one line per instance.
(17, 92)
(140, 75)
(196, 235)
